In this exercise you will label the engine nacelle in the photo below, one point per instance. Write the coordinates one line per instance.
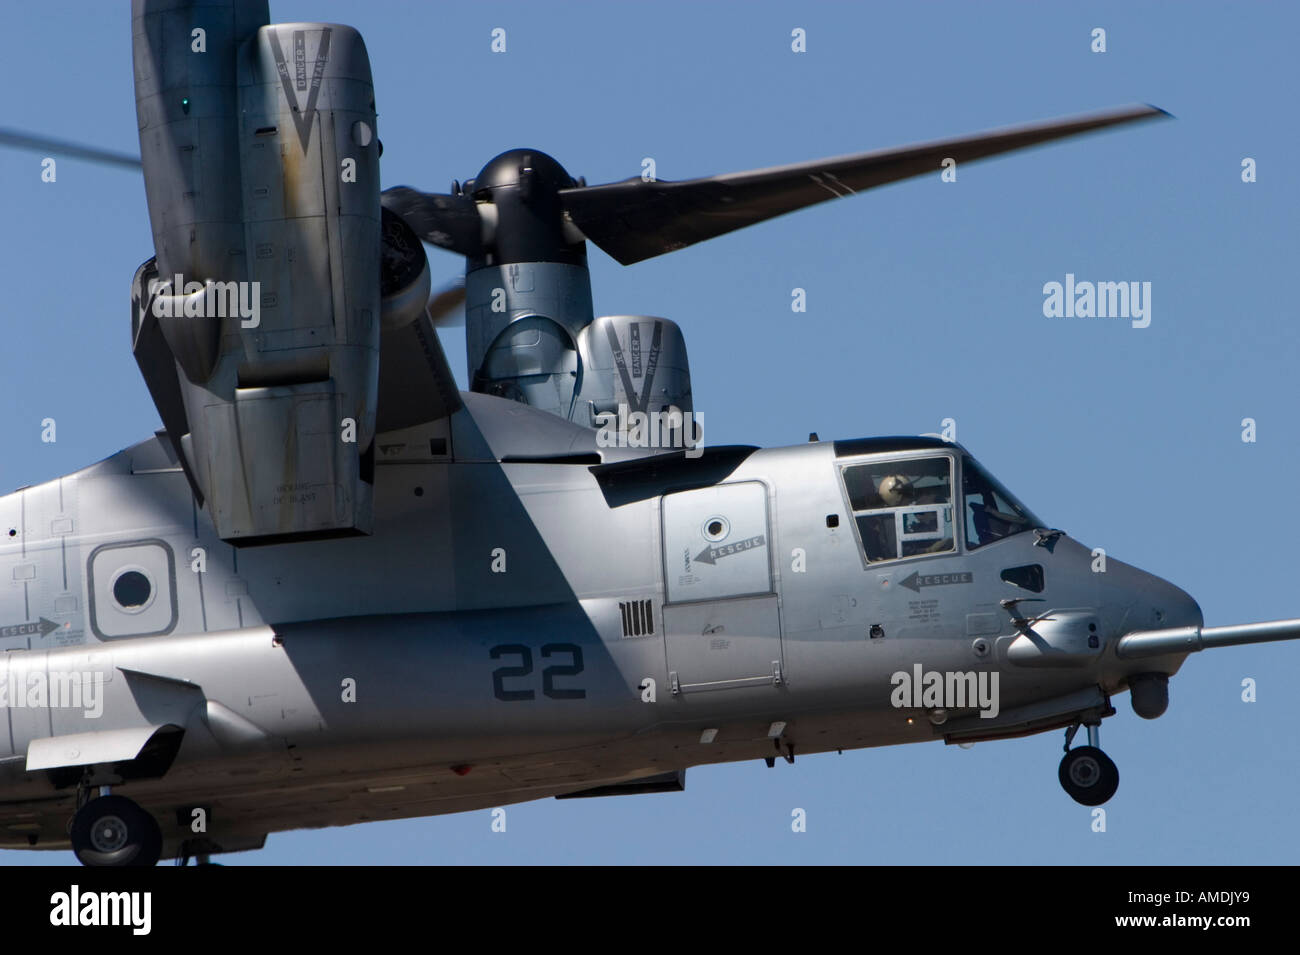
(636, 380)
(515, 345)
(261, 169)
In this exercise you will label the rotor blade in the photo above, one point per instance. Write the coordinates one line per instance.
(634, 220)
(20, 140)
(451, 222)
(415, 382)
(444, 307)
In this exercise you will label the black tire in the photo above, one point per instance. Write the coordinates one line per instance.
(114, 831)
(1088, 775)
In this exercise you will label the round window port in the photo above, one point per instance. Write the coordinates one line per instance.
(716, 529)
(132, 590)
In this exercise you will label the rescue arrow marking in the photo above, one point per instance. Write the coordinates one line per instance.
(42, 627)
(710, 555)
(915, 581)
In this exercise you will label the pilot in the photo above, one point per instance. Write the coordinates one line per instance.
(877, 531)
(896, 490)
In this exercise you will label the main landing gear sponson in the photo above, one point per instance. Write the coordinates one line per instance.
(115, 831)
(1087, 774)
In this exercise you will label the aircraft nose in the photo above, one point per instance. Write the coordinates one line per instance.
(1166, 610)
(1161, 605)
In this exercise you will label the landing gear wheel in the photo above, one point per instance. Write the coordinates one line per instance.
(1088, 775)
(114, 831)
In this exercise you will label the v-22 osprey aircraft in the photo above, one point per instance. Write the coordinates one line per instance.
(335, 589)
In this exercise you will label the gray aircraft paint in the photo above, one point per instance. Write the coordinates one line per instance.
(264, 638)
(504, 609)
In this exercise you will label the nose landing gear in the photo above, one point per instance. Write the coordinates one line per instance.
(1087, 774)
(115, 831)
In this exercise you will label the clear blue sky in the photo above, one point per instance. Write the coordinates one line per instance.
(924, 302)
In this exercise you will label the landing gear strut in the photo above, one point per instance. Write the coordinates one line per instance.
(197, 849)
(115, 831)
(1087, 774)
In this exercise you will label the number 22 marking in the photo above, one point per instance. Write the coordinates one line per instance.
(525, 668)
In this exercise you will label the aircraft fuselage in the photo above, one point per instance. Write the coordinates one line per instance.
(523, 622)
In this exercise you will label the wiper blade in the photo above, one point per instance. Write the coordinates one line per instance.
(1043, 537)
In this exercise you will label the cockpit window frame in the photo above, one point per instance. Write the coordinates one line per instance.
(957, 456)
(1034, 521)
(951, 453)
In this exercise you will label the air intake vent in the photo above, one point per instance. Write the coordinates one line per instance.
(1030, 577)
(638, 618)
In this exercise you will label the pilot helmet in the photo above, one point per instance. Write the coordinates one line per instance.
(896, 490)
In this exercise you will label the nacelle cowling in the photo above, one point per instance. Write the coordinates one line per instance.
(636, 365)
(261, 168)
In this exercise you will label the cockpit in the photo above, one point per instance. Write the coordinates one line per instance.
(991, 511)
(906, 506)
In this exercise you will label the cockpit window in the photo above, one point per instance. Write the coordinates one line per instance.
(902, 508)
(991, 511)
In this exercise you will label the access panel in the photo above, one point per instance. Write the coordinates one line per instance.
(721, 620)
(716, 543)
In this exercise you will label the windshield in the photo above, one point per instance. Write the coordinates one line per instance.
(992, 513)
